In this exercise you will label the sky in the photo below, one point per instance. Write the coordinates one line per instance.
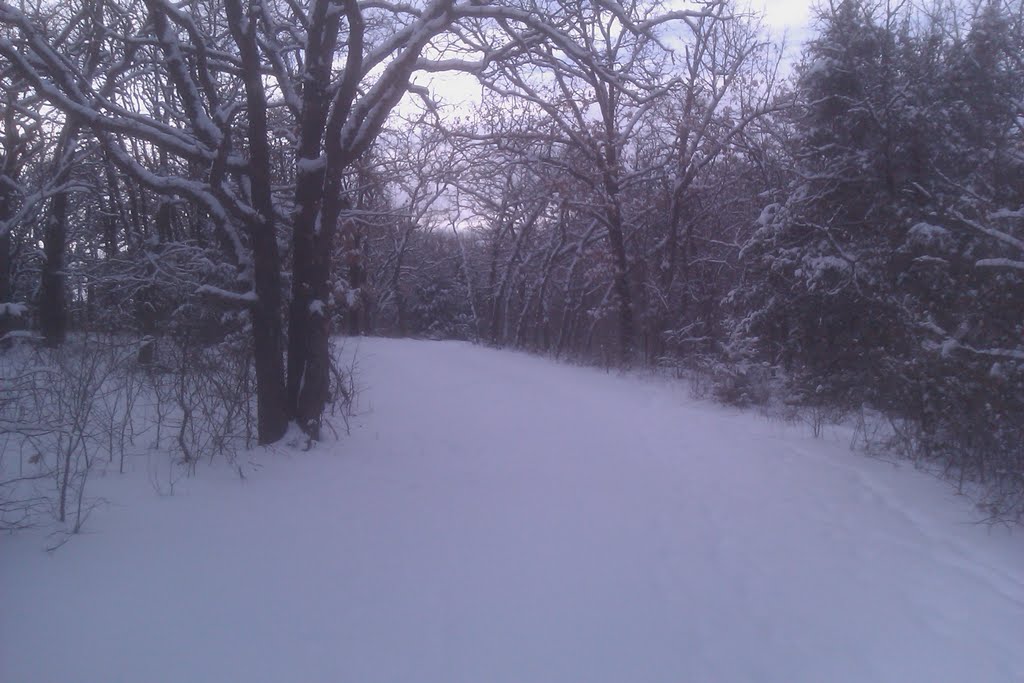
(783, 18)
(790, 19)
(783, 15)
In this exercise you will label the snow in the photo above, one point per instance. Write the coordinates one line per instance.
(768, 214)
(949, 346)
(26, 335)
(12, 310)
(498, 517)
(1000, 263)
(816, 269)
(311, 166)
(236, 297)
(924, 235)
(822, 66)
(1007, 213)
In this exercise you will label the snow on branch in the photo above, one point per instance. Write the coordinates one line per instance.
(245, 299)
(950, 344)
(12, 310)
(1000, 263)
(995, 233)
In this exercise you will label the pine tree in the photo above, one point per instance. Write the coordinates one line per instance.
(827, 313)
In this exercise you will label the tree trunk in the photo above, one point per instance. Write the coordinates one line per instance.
(309, 351)
(5, 263)
(356, 308)
(620, 283)
(615, 228)
(303, 342)
(268, 333)
(271, 404)
(52, 295)
(5, 273)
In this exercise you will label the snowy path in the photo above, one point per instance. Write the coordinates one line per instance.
(495, 517)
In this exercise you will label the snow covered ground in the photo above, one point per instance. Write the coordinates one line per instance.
(497, 517)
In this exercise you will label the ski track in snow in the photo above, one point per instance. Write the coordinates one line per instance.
(497, 517)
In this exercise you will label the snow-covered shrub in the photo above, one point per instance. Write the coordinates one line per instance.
(742, 384)
(53, 427)
(205, 395)
(728, 381)
(91, 404)
(964, 417)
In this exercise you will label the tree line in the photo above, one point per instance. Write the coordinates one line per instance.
(631, 184)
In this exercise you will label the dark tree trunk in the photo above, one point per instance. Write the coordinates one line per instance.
(309, 359)
(396, 289)
(146, 319)
(268, 334)
(116, 212)
(623, 295)
(307, 238)
(356, 310)
(12, 157)
(271, 405)
(52, 295)
(5, 273)
(145, 313)
(110, 229)
(164, 220)
(311, 319)
(136, 211)
(492, 284)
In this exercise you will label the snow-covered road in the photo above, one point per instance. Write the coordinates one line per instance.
(497, 517)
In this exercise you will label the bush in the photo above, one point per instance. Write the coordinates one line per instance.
(66, 412)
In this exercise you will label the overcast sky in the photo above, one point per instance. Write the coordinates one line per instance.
(789, 18)
(790, 15)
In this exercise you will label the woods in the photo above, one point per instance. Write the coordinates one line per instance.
(628, 184)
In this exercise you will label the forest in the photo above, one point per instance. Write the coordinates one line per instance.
(199, 198)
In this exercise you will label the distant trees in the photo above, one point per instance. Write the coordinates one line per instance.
(589, 175)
